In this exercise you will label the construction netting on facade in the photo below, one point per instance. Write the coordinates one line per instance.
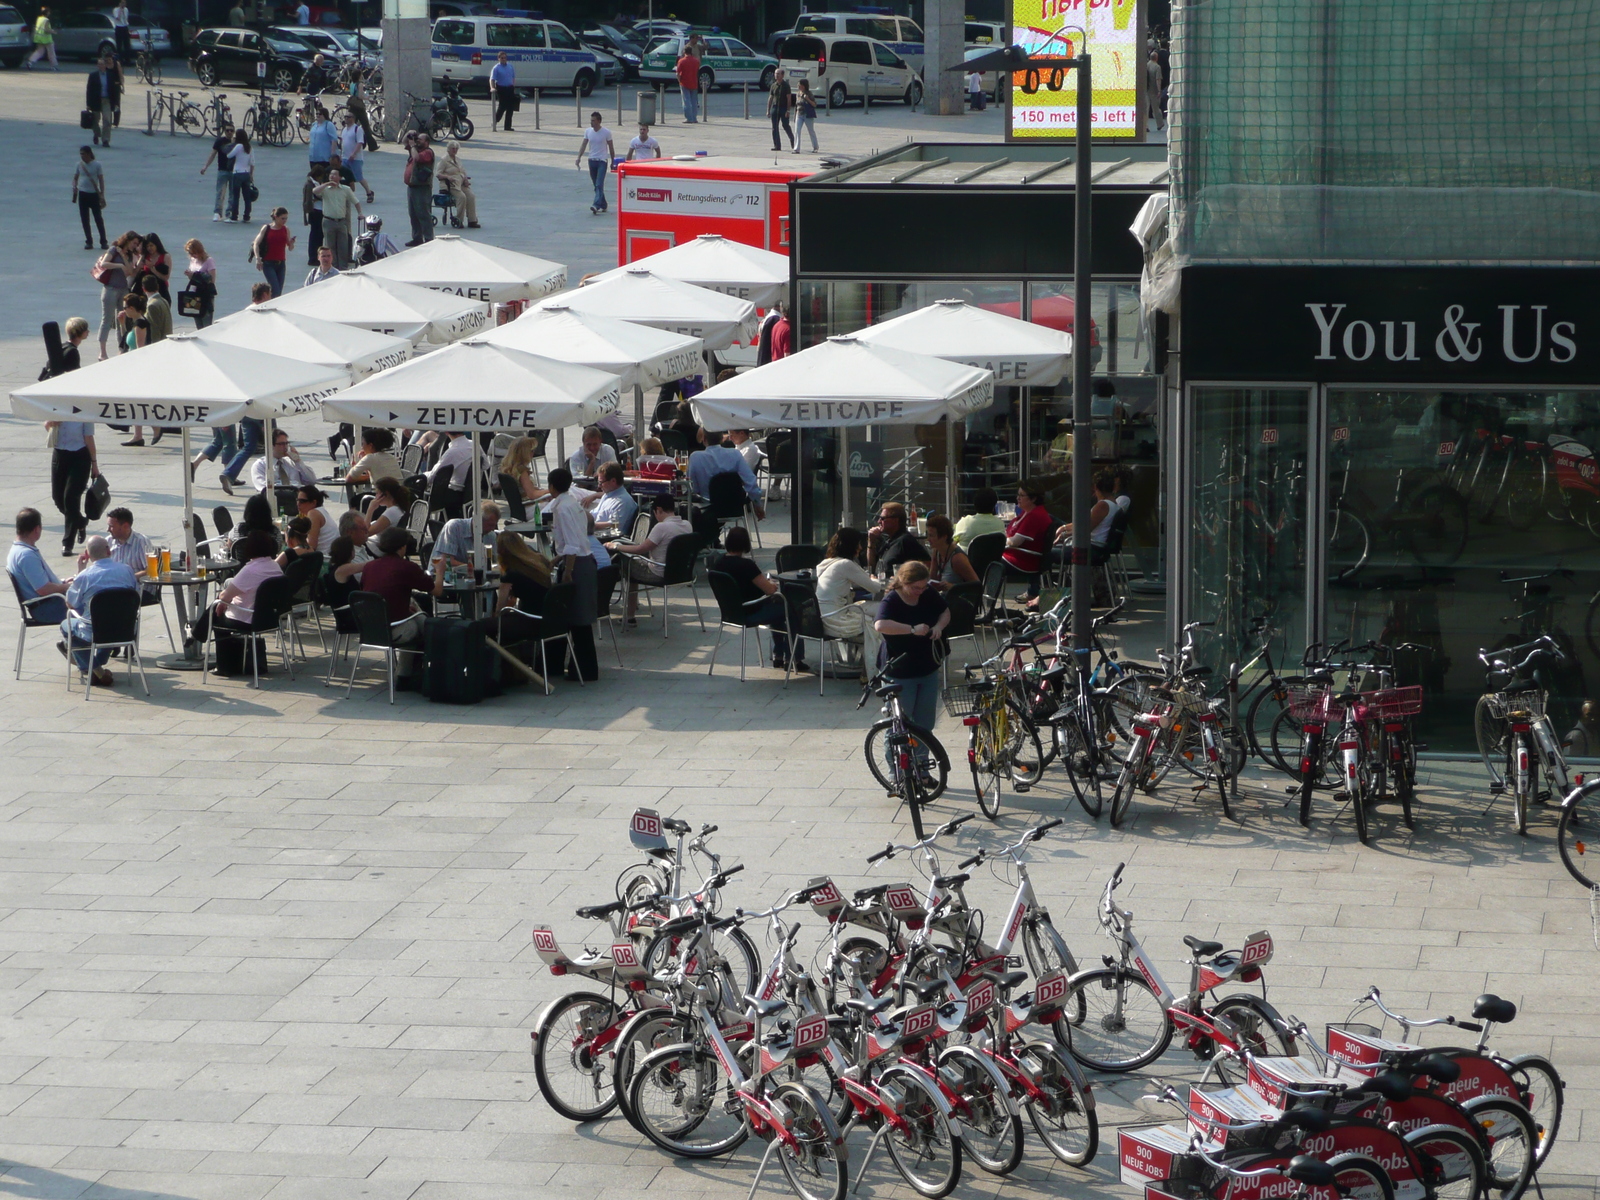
(1386, 130)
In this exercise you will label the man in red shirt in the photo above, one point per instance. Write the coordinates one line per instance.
(688, 71)
(1028, 536)
(394, 577)
(782, 335)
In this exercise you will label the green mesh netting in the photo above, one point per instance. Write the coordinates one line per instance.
(1386, 130)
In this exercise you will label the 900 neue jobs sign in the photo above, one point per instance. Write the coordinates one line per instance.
(1433, 325)
(1044, 96)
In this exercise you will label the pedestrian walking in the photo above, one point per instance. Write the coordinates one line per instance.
(324, 268)
(644, 147)
(321, 138)
(119, 28)
(317, 77)
(687, 70)
(202, 275)
(805, 116)
(114, 272)
(270, 250)
(418, 176)
(356, 106)
(236, 16)
(311, 210)
(302, 14)
(1152, 89)
(89, 194)
(44, 40)
(134, 332)
(220, 145)
(338, 201)
(353, 154)
(242, 181)
(73, 463)
(503, 90)
(102, 96)
(975, 92)
(780, 98)
(454, 176)
(598, 144)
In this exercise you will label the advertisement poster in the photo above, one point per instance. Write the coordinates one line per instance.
(1044, 96)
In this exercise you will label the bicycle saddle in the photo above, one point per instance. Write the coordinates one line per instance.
(765, 1008)
(869, 1007)
(1312, 1120)
(1489, 1007)
(1197, 673)
(1201, 948)
(925, 991)
(889, 689)
(1391, 1085)
(949, 881)
(595, 912)
(1057, 671)
(1312, 1172)
(1005, 979)
(679, 925)
(1321, 678)
(673, 825)
(871, 893)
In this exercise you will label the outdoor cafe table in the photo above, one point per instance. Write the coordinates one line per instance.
(186, 586)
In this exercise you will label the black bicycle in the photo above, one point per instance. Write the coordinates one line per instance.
(903, 756)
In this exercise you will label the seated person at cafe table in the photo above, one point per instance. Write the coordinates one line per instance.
(614, 504)
(257, 519)
(458, 539)
(341, 573)
(394, 577)
(518, 464)
(32, 574)
(982, 519)
(525, 574)
(948, 565)
(911, 620)
(569, 537)
(839, 576)
(391, 500)
(755, 585)
(719, 457)
(891, 542)
(131, 549)
(377, 460)
(1028, 537)
(586, 460)
(741, 441)
(455, 466)
(287, 469)
(311, 502)
(236, 606)
(647, 559)
(102, 574)
(354, 526)
(297, 538)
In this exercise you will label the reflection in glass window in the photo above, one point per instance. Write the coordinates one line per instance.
(453, 33)
(520, 37)
(561, 39)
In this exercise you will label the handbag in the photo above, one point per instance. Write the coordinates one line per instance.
(86, 119)
(190, 303)
(102, 271)
(96, 498)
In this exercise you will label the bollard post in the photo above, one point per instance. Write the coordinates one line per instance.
(577, 107)
(149, 117)
(536, 108)
(172, 118)
(619, 101)
(705, 97)
(746, 99)
(866, 96)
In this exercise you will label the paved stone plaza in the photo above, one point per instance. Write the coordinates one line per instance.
(276, 942)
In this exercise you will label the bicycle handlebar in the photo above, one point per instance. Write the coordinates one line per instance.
(949, 826)
(1373, 996)
(1033, 835)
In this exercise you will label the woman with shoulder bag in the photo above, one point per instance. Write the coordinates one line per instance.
(270, 250)
(114, 273)
(202, 289)
(89, 194)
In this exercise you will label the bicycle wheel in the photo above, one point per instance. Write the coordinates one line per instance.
(816, 1166)
(1404, 762)
(983, 755)
(886, 770)
(1349, 543)
(1123, 1026)
(1060, 1117)
(1361, 1178)
(991, 1127)
(923, 1149)
(643, 1034)
(731, 956)
(1127, 784)
(1522, 489)
(1580, 812)
(1122, 704)
(1457, 1159)
(1267, 713)
(1045, 948)
(1261, 1031)
(1024, 751)
(572, 1074)
(150, 68)
(1513, 1143)
(1437, 527)
(1072, 749)
(682, 1097)
(1543, 1095)
(1493, 735)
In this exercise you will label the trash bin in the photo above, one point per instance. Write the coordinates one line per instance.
(647, 107)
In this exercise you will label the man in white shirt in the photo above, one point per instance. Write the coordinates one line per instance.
(131, 549)
(455, 464)
(302, 15)
(601, 150)
(575, 564)
(653, 564)
(745, 445)
(585, 462)
(285, 469)
(644, 147)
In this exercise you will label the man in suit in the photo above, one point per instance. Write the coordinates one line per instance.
(102, 96)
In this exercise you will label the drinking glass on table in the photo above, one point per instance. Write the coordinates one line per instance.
(153, 564)
(166, 560)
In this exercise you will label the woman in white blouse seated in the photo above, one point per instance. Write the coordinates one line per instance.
(391, 500)
(838, 576)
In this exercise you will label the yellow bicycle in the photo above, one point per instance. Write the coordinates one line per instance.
(1002, 743)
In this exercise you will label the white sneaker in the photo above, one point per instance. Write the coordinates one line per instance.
(216, 216)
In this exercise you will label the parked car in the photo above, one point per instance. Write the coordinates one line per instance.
(846, 68)
(16, 38)
(219, 55)
(608, 39)
(900, 34)
(460, 8)
(85, 35)
(646, 33)
(545, 54)
(334, 44)
(727, 62)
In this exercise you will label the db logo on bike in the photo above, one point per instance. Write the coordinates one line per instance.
(980, 998)
(646, 822)
(901, 899)
(1050, 989)
(1257, 950)
(544, 941)
(919, 1021)
(622, 953)
(810, 1031)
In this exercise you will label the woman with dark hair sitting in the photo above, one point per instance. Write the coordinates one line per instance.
(257, 518)
(298, 539)
(391, 500)
(341, 574)
(839, 576)
(377, 460)
(235, 608)
(312, 503)
(754, 585)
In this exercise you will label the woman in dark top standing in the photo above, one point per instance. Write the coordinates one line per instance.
(754, 585)
(911, 620)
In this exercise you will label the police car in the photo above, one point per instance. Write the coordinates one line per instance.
(544, 54)
(727, 62)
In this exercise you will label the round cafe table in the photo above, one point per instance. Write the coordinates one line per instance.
(187, 586)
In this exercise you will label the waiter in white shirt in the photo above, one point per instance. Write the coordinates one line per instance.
(569, 536)
(287, 470)
(455, 464)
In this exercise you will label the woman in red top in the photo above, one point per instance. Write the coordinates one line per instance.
(271, 249)
(1028, 536)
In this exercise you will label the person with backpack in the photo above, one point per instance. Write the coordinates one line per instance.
(418, 177)
(270, 250)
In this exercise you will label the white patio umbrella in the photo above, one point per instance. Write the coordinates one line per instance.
(638, 294)
(845, 382)
(641, 356)
(714, 262)
(1018, 352)
(359, 352)
(475, 386)
(185, 381)
(450, 263)
(384, 306)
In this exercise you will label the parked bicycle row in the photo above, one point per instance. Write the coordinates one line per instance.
(269, 117)
(910, 1024)
(1340, 727)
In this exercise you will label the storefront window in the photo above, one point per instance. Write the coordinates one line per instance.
(1460, 521)
(1247, 522)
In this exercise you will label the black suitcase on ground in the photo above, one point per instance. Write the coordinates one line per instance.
(462, 667)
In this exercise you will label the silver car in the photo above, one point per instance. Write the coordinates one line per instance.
(85, 35)
(15, 39)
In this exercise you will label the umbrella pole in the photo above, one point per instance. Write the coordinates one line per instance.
(477, 502)
(639, 430)
(844, 474)
(950, 482)
(188, 503)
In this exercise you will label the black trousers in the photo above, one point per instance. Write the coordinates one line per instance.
(89, 205)
(69, 478)
(783, 119)
(314, 239)
(502, 107)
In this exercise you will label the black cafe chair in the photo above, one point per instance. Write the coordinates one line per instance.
(734, 613)
(274, 598)
(374, 631)
(553, 623)
(29, 621)
(728, 502)
(798, 556)
(802, 616)
(682, 551)
(113, 625)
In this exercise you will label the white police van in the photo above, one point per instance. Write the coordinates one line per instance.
(544, 54)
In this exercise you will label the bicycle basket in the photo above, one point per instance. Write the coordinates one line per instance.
(1314, 704)
(1393, 703)
(968, 700)
(1502, 704)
